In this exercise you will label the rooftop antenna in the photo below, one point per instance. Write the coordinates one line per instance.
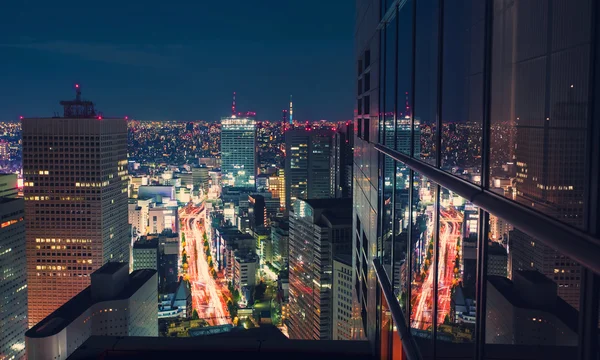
(291, 111)
(233, 105)
(78, 108)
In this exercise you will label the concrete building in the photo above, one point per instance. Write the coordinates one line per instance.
(75, 168)
(341, 161)
(319, 230)
(238, 151)
(246, 267)
(175, 301)
(307, 165)
(527, 311)
(13, 270)
(145, 254)
(342, 298)
(116, 303)
(280, 235)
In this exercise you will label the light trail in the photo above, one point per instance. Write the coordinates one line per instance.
(206, 294)
(450, 232)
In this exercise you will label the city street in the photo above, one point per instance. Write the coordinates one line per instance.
(450, 233)
(207, 296)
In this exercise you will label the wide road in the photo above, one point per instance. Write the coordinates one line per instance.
(450, 233)
(206, 293)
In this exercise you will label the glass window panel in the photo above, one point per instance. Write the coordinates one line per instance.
(391, 34)
(422, 242)
(405, 56)
(457, 265)
(539, 105)
(387, 213)
(426, 80)
(532, 296)
(385, 329)
(462, 88)
(400, 228)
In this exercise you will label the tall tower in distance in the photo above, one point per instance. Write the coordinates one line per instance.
(291, 111)
(75, 170)
(238, 148)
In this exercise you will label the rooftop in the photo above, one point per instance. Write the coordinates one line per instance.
(72, 309)
(329, 203)
(266, 340)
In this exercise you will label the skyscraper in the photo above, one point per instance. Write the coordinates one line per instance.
(13, 270)
(75, 170)
(319, 231)
(291, 111)
(471, 115)
(238, 151)
(307, 164)
(341, 161)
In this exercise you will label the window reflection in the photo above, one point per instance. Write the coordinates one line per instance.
(426, 74)
(462, 88)
(401, 222)
(532, 294)
(457, 264)
(422, 244)
(539, 106)
(404, 79)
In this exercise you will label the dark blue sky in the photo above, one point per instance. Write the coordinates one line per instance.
(152, 59)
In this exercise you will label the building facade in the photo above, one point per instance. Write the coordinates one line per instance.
(474, 159)
(145, 254)
(320, 229)
(75, 169)
(13, 277)
(342, 326)
(238, 151)
(307, 160)
(116, 303)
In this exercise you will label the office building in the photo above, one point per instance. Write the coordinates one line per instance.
(341, 161)
(341, 286)
(498, 95)
(307, 161)
(238, 151)
(245, 269)
(320, 229)
(13, 270)
(75, 168)
(116, 303)
(145, 254)
(257, 211)
(280, 235)
(277, 187)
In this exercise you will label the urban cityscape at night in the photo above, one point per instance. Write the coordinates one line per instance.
(425, 185)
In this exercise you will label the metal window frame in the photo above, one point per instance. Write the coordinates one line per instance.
(581, 247)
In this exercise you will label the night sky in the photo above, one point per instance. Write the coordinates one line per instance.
(179, 60)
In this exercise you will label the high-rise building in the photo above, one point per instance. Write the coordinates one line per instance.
(75, 168)
(342, 284)
(13, 273)
(307, 160)
(341, 161)
(280, 235)
(257, 211)
(277, 186)
(238, 151)
(475, 168)
(320, 229)
(116, 303)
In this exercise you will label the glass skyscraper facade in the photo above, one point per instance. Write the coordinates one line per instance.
(238, 151)
(476, 178)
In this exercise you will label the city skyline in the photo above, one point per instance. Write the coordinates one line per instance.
(155, 61)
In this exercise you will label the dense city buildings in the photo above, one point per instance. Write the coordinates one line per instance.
(307, 164)
(238, 151)
(75, 170)
(472, 161)
(320, 230)
(13, 270)
(116, 303)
